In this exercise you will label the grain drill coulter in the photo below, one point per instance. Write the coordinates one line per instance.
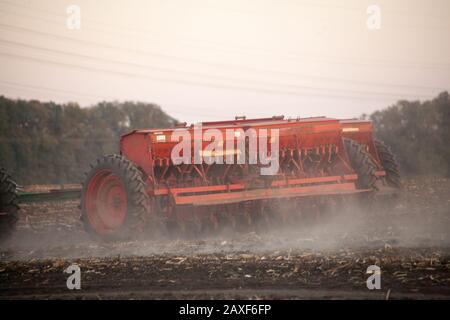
(321, 162)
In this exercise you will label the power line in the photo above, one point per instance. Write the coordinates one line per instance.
(229, 79)
(292, 56)
(21, 86)
(184, 82)
(53, 90)
(339, 80)
(188, 72)
(203, 75)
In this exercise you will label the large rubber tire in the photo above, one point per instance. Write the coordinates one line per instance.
(8, 205)
(389, 164)
(362, 163)
(126, 190)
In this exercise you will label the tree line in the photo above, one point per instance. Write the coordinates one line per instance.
(418, 133)
(55, 143)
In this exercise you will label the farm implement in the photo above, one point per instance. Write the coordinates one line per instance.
(241, 173)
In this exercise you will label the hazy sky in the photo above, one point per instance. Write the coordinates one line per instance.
(206, 60)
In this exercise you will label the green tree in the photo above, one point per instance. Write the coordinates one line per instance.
(418, 132)
(54, 143)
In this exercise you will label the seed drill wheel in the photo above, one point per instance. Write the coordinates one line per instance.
(365, 167)
(362, 163)
(8, 204)
(114, 201)
(389, 164)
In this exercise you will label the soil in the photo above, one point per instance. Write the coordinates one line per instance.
(409, 239)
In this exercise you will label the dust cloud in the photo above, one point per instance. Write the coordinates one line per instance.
(419, 218)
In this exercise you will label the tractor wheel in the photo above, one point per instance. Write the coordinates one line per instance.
(114, 200)
(8, 204)
(389, 164)
(362, 163)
